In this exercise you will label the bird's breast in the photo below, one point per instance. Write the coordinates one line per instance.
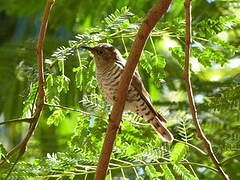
(108, 82)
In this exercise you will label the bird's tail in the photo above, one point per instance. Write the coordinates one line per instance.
(164, 133)
(162, 119)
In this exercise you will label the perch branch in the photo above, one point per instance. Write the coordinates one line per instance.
(192, 106)
(115, 118)
(41, 92)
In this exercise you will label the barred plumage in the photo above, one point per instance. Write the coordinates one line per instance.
(109, 67)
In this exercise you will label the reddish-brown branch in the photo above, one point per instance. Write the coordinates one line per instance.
(193, 109)
(41, 92)
(154, 15)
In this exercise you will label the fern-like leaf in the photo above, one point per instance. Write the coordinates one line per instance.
(178, 153)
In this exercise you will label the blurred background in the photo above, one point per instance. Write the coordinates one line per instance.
(19, 27)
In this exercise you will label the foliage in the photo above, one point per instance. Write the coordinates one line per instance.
(138, 153)
(226, 97)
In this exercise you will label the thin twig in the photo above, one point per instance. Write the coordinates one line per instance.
(191, 168)
(230, 158)
(63, 174)
(27, 120)
(192, 106)
(41, 92)
(154, 15)
(74, 110)
(14, 163)
(192, 146)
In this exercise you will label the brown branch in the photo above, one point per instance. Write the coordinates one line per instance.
(27, 120)
(41, 92)
(115, 118)
(193, 109)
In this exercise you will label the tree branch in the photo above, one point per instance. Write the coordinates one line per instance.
(230, 158)
(115, 118)
(193, 109)
(74, 110)
(27, 120)
(41, 92)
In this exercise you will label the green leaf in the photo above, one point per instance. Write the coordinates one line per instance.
(167, 172)
(108, 177)
(178, 152)
(179, 54)
(153, 65)
(55, 117)
(139, 178)
(62, 83)
(49, 80)
(61, 66)
(184, 172)
(210, 27)
(78, 77)
(66, 84)
(184, 128)
(159, 61)
(52, 93)
(152, 172)
(2, 151)
(225, 98)
(119, 20)
(56, 85)
(29, 105)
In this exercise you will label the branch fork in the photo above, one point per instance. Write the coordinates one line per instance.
(192, 105)
(33, 121)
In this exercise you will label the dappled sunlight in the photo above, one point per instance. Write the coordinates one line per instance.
(234, 63)
(68, 139)
(215, 78)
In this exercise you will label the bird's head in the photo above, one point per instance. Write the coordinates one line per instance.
(104, 53)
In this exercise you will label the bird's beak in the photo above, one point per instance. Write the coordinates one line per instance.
(88, 48)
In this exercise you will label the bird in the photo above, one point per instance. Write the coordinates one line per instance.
(109, 67)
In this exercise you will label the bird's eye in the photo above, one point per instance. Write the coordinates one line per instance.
(100, 52)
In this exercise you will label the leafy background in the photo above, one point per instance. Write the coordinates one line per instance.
(68, 140)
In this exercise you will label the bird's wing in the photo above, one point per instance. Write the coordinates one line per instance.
(138, 85)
